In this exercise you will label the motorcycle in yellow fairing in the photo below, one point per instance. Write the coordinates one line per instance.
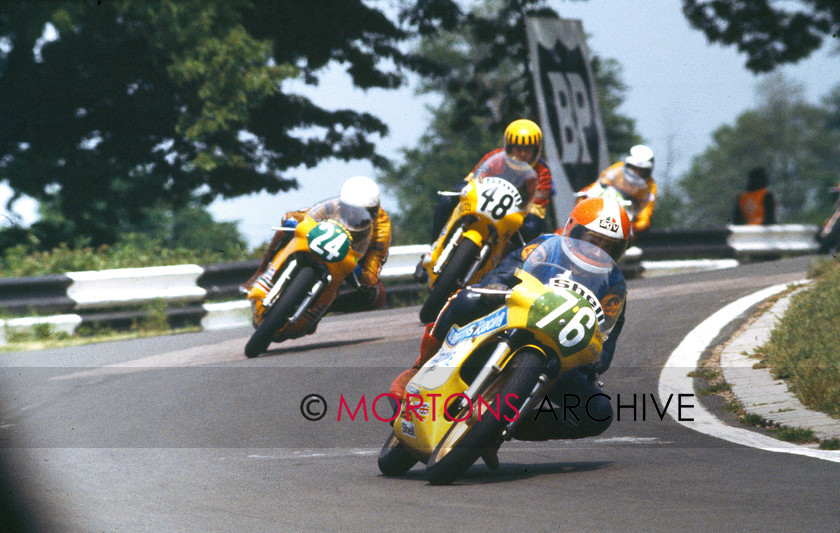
(304, 277)
(493, 205)
(493, 372)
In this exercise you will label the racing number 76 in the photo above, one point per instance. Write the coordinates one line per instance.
(575, 329)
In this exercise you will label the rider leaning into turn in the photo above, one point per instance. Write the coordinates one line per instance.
(358, 191)
(522, 143)
(633, 177)
(602, 222)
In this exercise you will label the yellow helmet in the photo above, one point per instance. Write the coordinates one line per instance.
(523, 141)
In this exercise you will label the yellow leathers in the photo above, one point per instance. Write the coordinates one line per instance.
(380, 238)
(642, 193)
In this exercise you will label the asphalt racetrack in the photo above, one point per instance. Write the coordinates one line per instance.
(183, 433)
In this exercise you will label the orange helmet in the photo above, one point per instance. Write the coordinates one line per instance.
(602, 222)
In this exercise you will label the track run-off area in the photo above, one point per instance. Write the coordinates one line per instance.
(183, 433)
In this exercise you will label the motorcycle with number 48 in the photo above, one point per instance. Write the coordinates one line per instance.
(493, 205)
(493, 373)
(304, 277)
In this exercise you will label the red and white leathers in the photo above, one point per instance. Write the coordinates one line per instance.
(544, 184)
(641, 193)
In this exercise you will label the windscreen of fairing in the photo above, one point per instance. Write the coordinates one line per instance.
(518, 174)
(561, 258)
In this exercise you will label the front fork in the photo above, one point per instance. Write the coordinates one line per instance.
(450, 247)
(478, 263)
(493, 367)
(282, 281)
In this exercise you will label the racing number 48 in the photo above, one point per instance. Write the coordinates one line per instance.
(503, 203)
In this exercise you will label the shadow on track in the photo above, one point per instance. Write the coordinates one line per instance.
(507, 472)
(316, 346)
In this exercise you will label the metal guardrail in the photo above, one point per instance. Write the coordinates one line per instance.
(115, 296)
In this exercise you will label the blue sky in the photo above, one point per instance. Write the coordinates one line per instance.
(680, 90)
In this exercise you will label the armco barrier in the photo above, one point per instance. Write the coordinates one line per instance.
(223, 280)
(113, 296)
(45, 294)
(759, 240)
(700, 243)
(111, 288)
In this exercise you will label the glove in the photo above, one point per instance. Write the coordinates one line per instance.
(591, 372)
(364, 278)
(532, 227)
(290, 223)
(367, 279)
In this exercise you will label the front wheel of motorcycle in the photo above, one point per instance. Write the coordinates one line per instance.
(447, 282)
(465, 440)
(283, 308)
(394, 458)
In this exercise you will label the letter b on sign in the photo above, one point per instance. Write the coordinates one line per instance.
(573, 106)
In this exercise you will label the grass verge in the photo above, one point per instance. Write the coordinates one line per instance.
(804, 349)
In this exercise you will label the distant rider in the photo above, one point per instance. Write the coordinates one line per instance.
(633, 177)
(358, 191)
(600, 221)
(756, 205)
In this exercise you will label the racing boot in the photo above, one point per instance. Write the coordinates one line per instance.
(277, 242)
(428, 347)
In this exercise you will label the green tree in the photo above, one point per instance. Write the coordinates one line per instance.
(482, 77)
(769, 33)
(797, 142)
(137, 104)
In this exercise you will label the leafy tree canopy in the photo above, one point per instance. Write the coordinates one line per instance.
(480, 59)
(770, 33)
(130, 105)
(797, 142)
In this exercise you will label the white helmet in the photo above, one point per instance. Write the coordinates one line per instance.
(641, 157)
(360, 191)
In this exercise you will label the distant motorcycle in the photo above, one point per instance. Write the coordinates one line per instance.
(304, 277)
(493, 205)
(599, 191)
(829, 235)
(494, 372)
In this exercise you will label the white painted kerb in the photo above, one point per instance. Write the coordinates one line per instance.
(674, 380)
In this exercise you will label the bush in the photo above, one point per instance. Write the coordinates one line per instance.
(133, 250)
(805, 347)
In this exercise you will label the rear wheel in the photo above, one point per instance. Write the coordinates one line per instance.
(447, 282)
(394, 458)
(465, 441)
(285, 306)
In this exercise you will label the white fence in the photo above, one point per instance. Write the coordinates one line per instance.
(130, 286)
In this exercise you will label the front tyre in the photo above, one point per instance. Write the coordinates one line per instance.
(464, 442)
(283, 308)
(447, 282)
(394, 458)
